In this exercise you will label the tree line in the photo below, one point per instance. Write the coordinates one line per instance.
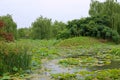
(42, 28)
(103, 22)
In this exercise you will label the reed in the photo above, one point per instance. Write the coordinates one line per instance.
(14, 57)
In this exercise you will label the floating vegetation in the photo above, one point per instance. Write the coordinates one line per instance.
(110, 74)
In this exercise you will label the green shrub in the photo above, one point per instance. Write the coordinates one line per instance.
(63, 34)
(115, 37)
(13, 57)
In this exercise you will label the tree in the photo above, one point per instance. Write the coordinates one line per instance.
(57, 28)
(24, 33)
(109, 8)
(94, 26)
(9, 29)
(41, 28)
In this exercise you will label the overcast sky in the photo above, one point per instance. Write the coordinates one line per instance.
(24, 12)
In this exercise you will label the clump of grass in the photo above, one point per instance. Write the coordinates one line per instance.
(14, 57)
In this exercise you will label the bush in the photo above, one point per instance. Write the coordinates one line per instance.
(63, 34)
(115, 37)
(13, 57)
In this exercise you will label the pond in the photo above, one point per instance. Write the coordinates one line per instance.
(52, 67)
(55, 68)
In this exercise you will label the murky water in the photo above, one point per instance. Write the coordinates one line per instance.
(52, 67)
(113, 65)
(55, 68)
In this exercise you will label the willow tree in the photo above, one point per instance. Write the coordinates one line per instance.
(41, 28)
(110, 8)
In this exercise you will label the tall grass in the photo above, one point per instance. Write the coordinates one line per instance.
(13, 57)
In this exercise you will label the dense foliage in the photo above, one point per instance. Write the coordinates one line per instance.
(58, 27)
(41, 28)
(24, 33)
(102, 23)
(8, 28)
(13, 57)
(91, 26)
(110, 8)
